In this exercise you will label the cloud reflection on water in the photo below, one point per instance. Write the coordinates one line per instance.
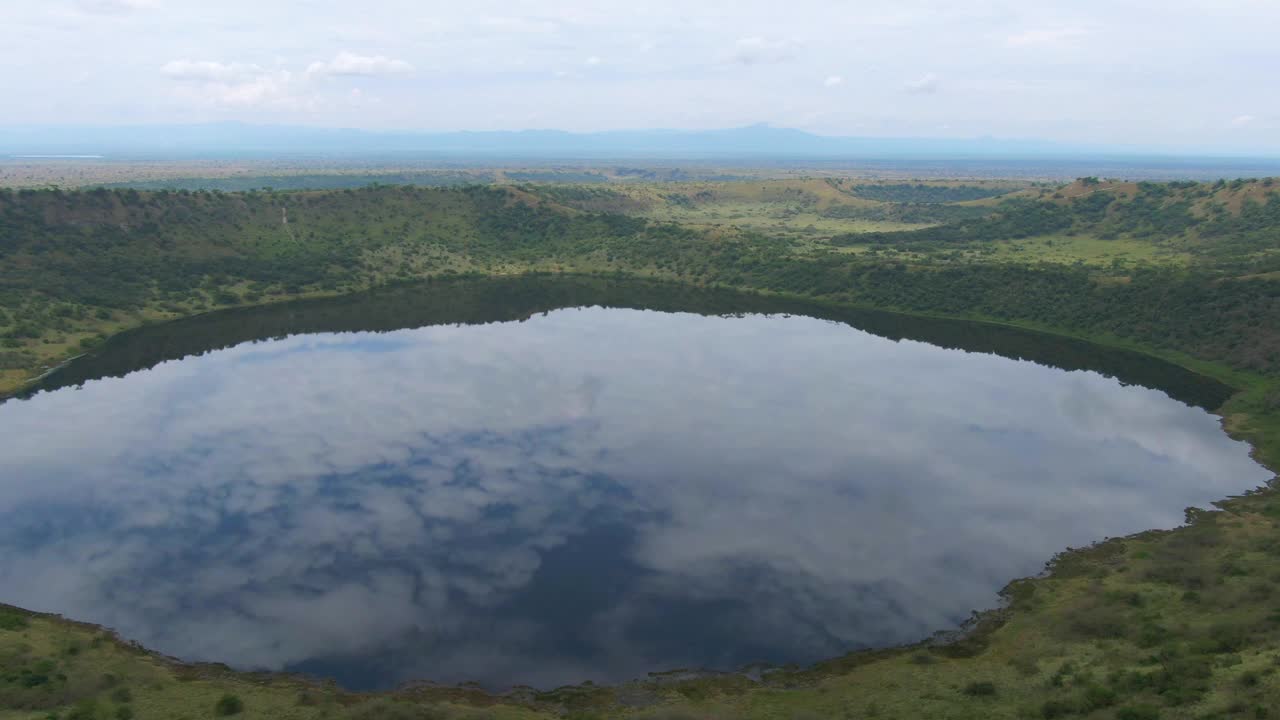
(591, 494)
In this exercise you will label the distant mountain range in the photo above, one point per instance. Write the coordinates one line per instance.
(756, 141)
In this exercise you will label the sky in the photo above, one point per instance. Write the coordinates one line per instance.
(1187, 73)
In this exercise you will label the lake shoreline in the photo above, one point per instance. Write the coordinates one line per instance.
(1238, 417)
(1219, 371)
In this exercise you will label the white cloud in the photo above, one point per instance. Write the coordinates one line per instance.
(267, 88)
(758, 50)
(594, 60)
(349, 63)
(924, 85)
(832, 81)
(1243, 121)
(234, 85)
(248, 85)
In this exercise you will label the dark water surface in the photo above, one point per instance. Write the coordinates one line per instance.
(585, 494)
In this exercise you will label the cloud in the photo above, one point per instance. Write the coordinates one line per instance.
(247, 85)
(1044, 37)
(271, 87)
(759, 50)
(593, 60)
(833, 81)
(1243, 121)
(236, 85)
(926, 84)
(349, 63)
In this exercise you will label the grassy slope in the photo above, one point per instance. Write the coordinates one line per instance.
(1165, 624)
(76, 266)
(803, 209)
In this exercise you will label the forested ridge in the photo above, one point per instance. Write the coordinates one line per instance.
(1227, 224)
(76, 265)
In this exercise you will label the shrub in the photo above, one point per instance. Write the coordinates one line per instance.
(228, 705)
(1053, 709)
(1151, 635)
(1026, 666)
(384, 709)
(1228, 637)
(86, 709)
(1094, 621)
(1138, 712)
(980, 689)
(12, 621)
(1097, 696)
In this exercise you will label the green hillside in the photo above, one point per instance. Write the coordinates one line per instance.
(75, 266)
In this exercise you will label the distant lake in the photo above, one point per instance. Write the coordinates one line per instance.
(548, 481)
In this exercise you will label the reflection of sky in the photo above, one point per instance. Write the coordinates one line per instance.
(590, 494)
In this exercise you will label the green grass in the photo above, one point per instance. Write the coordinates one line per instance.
(1116, 255)
(1086, 249)
(779, 219)
(800, 209)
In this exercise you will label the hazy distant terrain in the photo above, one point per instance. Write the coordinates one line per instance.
(233, 156)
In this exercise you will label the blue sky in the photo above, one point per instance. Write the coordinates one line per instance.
(1175, 73)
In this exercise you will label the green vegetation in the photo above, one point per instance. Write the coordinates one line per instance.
(75, 266)
(1018, 218)
(310, 181)
(299, 173)
(1231, 227)
(228, 704)
(1165, 624)
(484, 300)
(801, 210)
(930, 193)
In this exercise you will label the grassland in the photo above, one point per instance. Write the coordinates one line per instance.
(1088, 250)
(242, 174)
(1165, 624)
(799, 209)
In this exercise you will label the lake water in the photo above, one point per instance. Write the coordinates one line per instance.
(587, 494)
